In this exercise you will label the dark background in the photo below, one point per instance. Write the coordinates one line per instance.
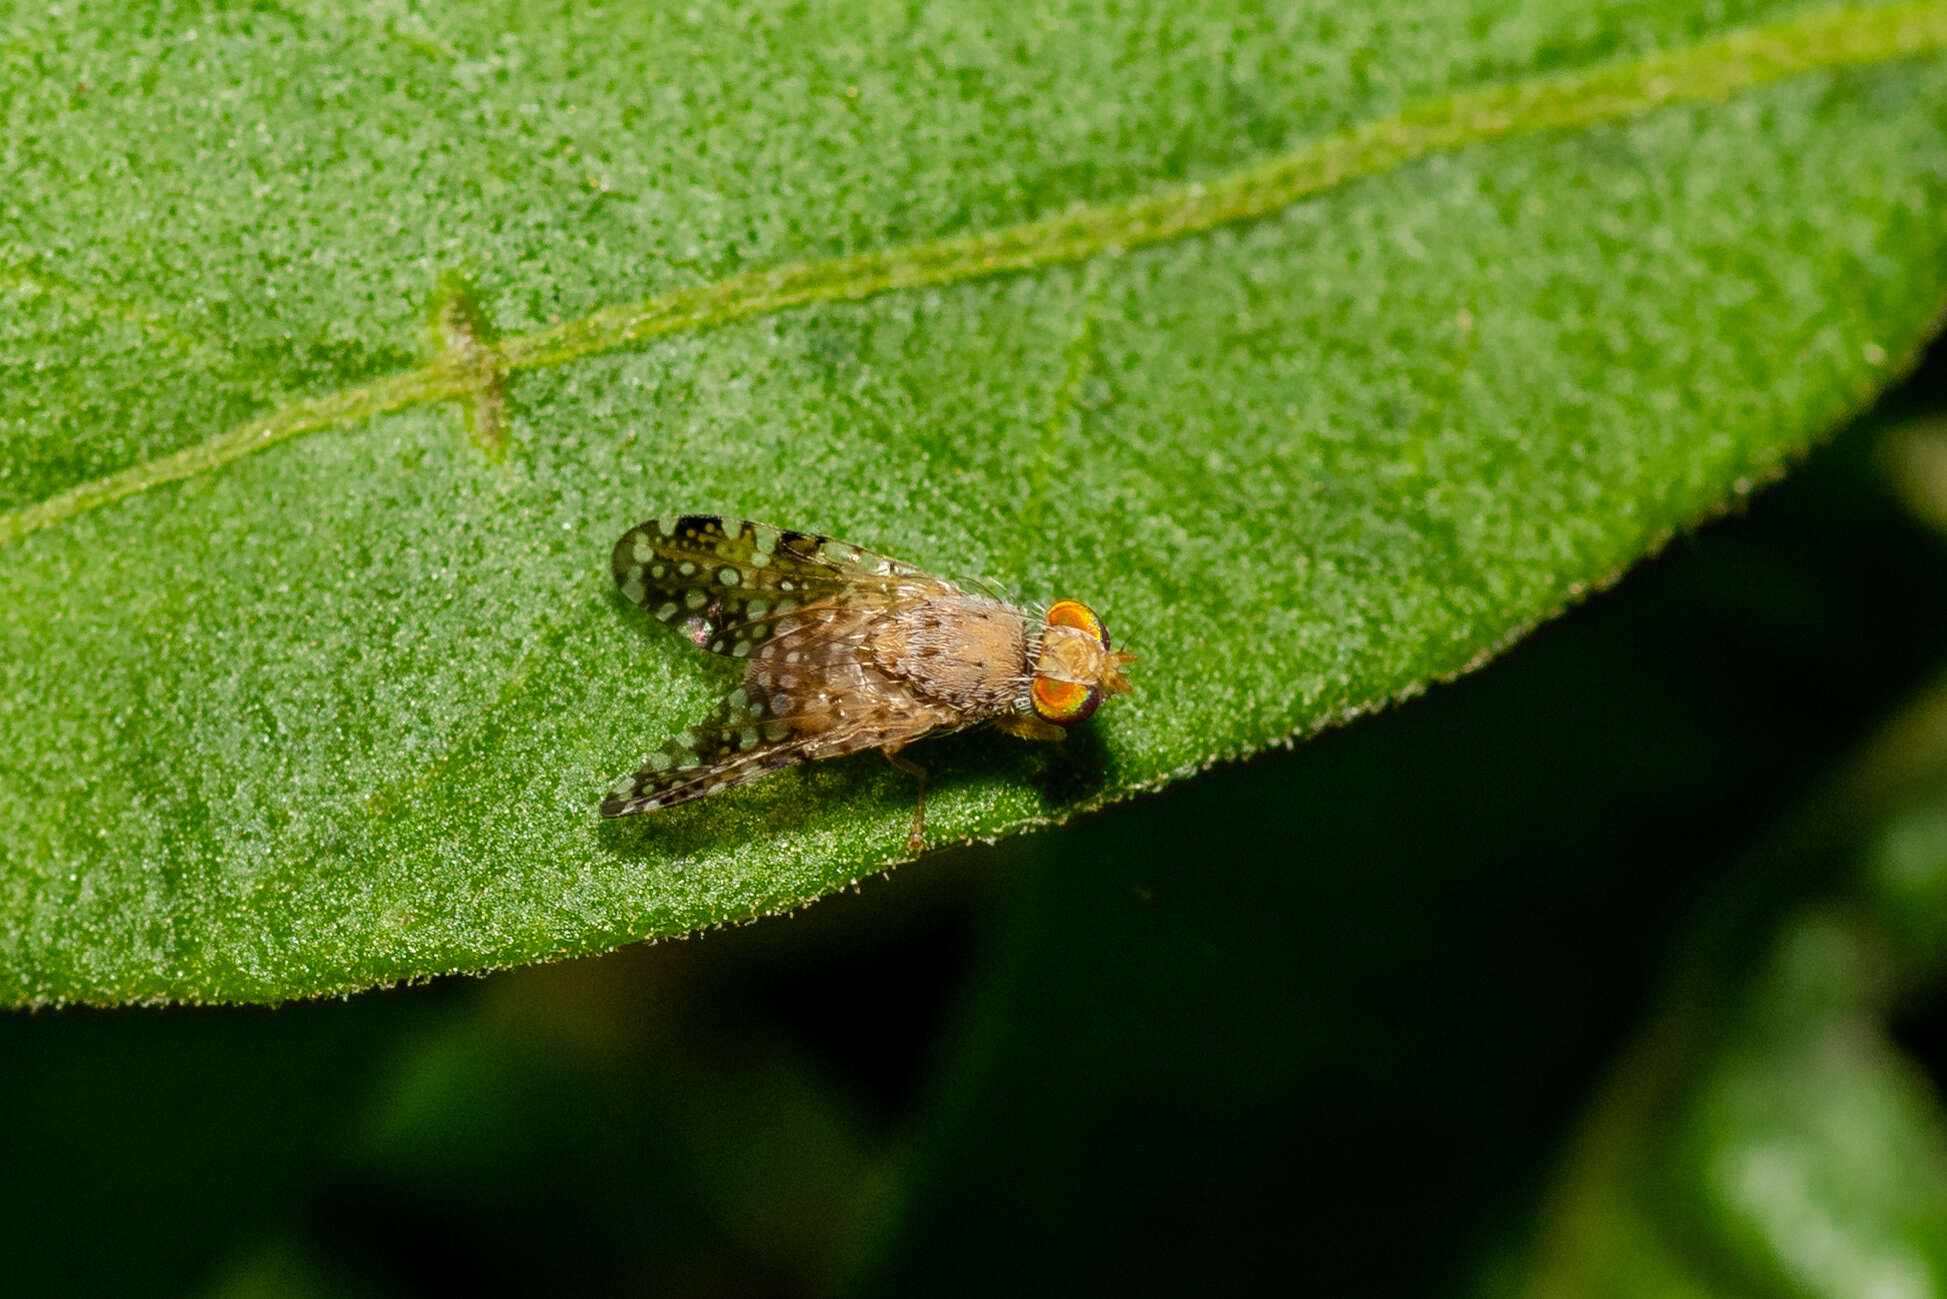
(1334, 1016)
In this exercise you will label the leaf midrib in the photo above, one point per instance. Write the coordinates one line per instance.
(1710, 70)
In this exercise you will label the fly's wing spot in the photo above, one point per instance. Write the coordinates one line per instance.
(714, 581)
(748, 735)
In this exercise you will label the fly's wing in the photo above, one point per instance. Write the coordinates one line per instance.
(802, 608)
(728, 584)
(817, 695)
(743, 740)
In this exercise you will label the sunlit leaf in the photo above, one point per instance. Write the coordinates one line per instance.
(1326, 352)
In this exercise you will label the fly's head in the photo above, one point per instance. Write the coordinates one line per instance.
(1076, 669)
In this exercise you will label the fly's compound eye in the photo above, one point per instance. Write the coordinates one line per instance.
(1064, 702)
(1073, 613)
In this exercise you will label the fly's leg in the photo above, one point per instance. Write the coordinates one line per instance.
(915, 839)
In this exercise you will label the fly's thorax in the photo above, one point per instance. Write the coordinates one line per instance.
(969, 652)
(1074, 668)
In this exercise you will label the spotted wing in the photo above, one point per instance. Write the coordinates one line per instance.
(728, 584)
(744, 739)
(812, 693)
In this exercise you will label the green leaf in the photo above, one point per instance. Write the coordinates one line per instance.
(1325, 354)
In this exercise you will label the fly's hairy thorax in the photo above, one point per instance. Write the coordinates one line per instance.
(967, 652)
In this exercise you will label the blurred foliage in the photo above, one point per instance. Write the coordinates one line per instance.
(1361, 1013)
(1768, 1135)
(1328, 353)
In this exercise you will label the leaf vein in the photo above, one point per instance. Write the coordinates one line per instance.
(1705, 72)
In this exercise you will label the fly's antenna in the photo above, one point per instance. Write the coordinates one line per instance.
(1113, 682)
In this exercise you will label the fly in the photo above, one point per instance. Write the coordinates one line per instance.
(844, 650)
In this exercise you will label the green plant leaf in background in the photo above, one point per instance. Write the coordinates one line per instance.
(1326, 354)
(1771, 1133)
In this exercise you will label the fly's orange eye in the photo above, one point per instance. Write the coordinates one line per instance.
(1064, 702)
(1073, 613)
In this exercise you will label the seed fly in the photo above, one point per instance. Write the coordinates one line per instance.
(844, 650)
